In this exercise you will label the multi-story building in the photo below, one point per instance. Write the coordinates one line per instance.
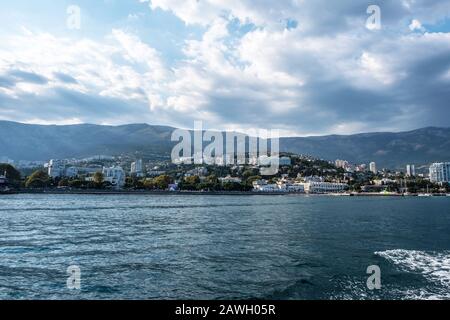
(324, 187)
(115, 176)
(56, 168)
(373, 168)
(263, 186)
(230, 179)
(137, 169)
(440, 172)
(343, 164)
(200, 171)
(411, 170)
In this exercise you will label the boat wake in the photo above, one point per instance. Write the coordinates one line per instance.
(434, 267)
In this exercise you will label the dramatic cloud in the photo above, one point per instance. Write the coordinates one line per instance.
(305, 67)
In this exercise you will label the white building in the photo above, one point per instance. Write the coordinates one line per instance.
(291, 187)
(411, 170)
(115, 176)
(280, 186)
(324, 187)
(263, 186)
(440, 172)
(373, 167)
(343, 164)
(230, 179)
(268, 188)
(200, 171)
(137, 169)
(384, 182)
(56, 168)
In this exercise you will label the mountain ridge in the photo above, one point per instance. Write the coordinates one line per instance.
(20, 141)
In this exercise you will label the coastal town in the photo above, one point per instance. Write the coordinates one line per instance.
(298, 174)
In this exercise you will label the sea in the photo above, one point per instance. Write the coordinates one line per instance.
(292, 247)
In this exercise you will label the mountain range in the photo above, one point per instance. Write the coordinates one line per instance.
(389, 150)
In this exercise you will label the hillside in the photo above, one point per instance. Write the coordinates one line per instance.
(394, 150)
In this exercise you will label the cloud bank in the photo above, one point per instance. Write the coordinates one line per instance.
(305, 67)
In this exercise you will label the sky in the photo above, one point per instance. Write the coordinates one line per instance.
(303, 67)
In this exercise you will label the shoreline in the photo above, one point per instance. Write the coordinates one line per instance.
(208, 193)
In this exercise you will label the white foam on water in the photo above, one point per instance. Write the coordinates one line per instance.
(434, 266)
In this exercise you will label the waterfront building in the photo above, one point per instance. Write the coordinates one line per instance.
(290, 187)
(264, 186)
(411, 170)
(440, 172)
(59, 169)
(137, 168)
(269, 188)
(114, 175)
(324, 187)
(280, 186)
(373, 168)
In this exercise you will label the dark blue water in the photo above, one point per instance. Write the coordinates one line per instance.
(223, 247)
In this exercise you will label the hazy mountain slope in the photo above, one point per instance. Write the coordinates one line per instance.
(36, 142)
(387, 149)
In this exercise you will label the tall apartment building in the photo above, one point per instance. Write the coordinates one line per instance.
(411, 170)
(137, 168)
(440, 172)
(373, 168)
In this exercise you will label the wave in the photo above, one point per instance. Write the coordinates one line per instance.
(433, 266)
(172, 206)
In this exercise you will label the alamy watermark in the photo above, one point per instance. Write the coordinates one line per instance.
(74, 17)
(374, 280)
(74, 280)
(374, 20)
(259, 147)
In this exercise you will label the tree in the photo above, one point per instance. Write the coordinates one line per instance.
(76, 183)
(190, 183)
(12, 174)
(63, 183)
(233, 186)
(149, 184)
(99, 178)
(211, 183)
(38, 179)
(162, 182)
(249, 173)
